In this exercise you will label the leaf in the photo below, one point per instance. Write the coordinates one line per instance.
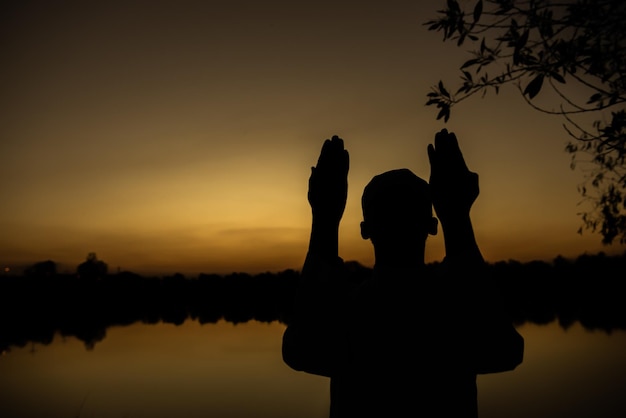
(521, 41)
(469, 63)
(534, 87)
(444, 113)
(461, 40)
(614, 98)
(478, 10)
(558, 77)
(595, 98)
(453, 5)
(443, 90)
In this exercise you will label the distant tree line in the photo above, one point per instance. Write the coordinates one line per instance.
(42, 302)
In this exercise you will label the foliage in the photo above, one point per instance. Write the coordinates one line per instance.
(584, 289)
(92, 268)
(574, 53)
(46, 268)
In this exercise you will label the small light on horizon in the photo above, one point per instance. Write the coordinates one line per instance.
(7, 269)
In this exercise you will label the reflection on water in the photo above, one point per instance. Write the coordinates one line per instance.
(35, 307)
(163, 370)
(572, 373)
(232, 370)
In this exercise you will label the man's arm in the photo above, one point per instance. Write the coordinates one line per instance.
(311, 340)
(494, 343)
(327, 195)
(454, 189)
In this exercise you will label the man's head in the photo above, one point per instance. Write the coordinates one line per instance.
(397, 208)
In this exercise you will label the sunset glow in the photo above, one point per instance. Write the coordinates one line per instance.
(178, 136)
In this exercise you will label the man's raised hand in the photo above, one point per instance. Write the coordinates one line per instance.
(454, 187)
(328, 183)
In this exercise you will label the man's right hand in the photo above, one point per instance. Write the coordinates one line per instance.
(328, 183)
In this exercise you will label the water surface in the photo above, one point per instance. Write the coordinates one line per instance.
(231, 370)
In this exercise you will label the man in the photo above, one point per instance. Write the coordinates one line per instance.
(410, 339)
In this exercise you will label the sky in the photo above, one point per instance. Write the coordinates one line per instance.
(178, 136)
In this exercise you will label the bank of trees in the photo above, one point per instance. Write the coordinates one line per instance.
(33, 308)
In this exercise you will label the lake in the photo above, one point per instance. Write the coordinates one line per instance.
(230, 370)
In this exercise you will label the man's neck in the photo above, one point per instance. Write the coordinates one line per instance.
(403, 258)
(399, 265)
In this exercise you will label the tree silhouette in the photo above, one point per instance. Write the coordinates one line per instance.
(92, 268)
(569, 47)
(46, 268)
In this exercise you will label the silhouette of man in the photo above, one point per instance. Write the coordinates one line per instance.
(411, 339)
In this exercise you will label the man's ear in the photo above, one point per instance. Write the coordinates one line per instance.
(432, 228)
(364, 231)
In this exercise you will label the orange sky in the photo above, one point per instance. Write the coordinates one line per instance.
(178, 136)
